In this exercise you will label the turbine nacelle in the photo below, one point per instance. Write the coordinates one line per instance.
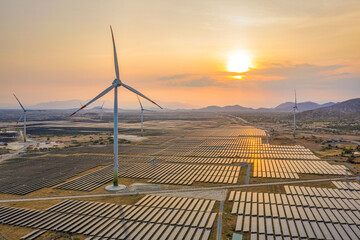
(117, 82)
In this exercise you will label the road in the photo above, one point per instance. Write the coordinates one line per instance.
(219, 224)
(247, 180)
(175, 190)
(16, 153)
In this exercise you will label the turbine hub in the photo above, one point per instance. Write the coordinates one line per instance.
(117, 82)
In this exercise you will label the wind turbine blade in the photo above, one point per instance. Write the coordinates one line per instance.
(115, 55)
(102, 105)
(22, 115)
(147, 110)
(140, 102)
(295, 97)
(96, 98)
(19, 103)
(140, 94)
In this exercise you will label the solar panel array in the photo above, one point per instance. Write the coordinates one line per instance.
(209, 156)
(164, 173)
(153, 217)
(300, 213)
(33, 235)
(202, 160)
(205, 155)
(238, 131)
(240, 147)
(347, 185)
(291, 168)
(25, 175)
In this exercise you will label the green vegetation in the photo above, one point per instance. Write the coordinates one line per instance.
(4, 151)
(346, 127)
(347, 150)
(122, 141)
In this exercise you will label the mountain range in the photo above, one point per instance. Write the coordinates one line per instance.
(307, 110)
(303, 106)
(284, 107)
(232, 108)
(346, 109)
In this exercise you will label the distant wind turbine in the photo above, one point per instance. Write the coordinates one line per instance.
(115, 84)
(142, 114)
(102, 110)
(23, 115)
(295, 108)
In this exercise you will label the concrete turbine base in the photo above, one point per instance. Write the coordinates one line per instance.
(112, 188)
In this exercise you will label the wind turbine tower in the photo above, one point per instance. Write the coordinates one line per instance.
(295, 108)
(23, 115)
(115, 85)
(102, 110)
(142, 109)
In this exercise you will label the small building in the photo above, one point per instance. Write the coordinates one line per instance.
(237, 236)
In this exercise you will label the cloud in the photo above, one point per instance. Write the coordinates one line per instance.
(269, 72)
(173, 77)
(294, 70)
(305, 76)
(193, 80)
(271, 76)
(204, 81)
(294, 73)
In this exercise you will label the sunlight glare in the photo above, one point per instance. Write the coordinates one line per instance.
(238, 62)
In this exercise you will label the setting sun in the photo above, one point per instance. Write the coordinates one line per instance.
(238, 62)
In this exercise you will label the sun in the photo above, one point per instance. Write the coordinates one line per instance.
(239, 62)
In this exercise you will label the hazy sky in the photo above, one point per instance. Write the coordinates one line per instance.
(177, 51)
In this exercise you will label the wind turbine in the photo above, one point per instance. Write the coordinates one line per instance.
(23, 115)
(142, 114)
(295, 108)
(115, 85)
(101, 111)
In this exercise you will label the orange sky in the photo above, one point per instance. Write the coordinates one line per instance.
(61, 50)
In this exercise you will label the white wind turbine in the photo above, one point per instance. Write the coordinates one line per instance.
(23, 115)
(115, 84)
(102, 110)
(142, 109)
(295, 108)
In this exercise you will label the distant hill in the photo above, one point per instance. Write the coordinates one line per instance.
(327, 104)
(232, 108)
(346, 109)
(349, 106)
(133, 105)
(303, 106)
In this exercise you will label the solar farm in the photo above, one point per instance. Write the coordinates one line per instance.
(150, 218)
(168, 176)
(299, 213)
